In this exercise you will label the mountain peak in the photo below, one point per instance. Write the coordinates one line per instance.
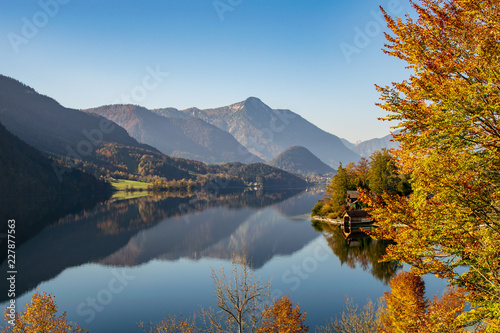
(252, 99)
(254, 102)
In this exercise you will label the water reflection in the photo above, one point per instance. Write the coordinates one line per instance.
(133, 232)
(358, 250)
(35, 213)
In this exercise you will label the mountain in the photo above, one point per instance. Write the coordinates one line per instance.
(25, 172)
(48, 126)
(32, 193)
(348, 144)
(96, 145)
(266, 175)
(299, 160)
(366, 148)
(185, 137)
(170, 112)
(87, 141)
(266, 132)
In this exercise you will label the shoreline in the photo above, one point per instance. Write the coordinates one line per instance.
(326, 219)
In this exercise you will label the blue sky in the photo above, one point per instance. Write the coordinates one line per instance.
(318, 58)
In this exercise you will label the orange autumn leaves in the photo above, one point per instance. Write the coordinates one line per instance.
(448, 114)
(407, 310)
(40, 316)
(282, 317)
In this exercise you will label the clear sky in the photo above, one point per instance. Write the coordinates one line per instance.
(318, 58)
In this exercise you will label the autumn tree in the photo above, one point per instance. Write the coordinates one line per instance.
(40, 316)
(358, 173)
(377, 174)
(383, 176)
(406, 308)
(448, 114)
(282, 317)
(405, 305)
(336, 193)
(442, 313)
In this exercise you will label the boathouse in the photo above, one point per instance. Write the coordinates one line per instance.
(353, 217)
(357, 216)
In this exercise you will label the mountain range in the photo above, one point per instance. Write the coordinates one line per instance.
(267, 132)
(186, 137)
(46, 125)
(248, 131)
(366, 148)
(96, 145)
(172, 143)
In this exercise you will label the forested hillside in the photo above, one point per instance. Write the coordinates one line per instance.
(300, 160)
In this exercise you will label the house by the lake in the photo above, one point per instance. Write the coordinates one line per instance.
(357, 216)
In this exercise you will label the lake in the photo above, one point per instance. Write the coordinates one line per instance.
(121, 262)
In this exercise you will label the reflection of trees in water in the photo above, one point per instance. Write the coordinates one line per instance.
(98, 231)
(215, 233)
(114, 217)
(361, 251)
(33, 214)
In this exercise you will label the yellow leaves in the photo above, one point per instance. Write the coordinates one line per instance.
(281, 317)
(448, 111)
(405, 305)
(407, 310)
(443, 313)
(40, 317)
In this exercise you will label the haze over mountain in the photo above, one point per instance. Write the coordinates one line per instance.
(186, 137)
(48, 126)
(25, 172)
(348, 144)
(101, 147)
(267, 132)
(299, 160)
(366, 148)
(81, 138)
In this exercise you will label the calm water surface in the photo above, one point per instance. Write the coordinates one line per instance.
(122, 262)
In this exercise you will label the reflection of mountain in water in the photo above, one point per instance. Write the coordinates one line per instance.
(219, 232)
(138, 230)
(179, 237)
(359, 251)
(265, 235)
(300, 204)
